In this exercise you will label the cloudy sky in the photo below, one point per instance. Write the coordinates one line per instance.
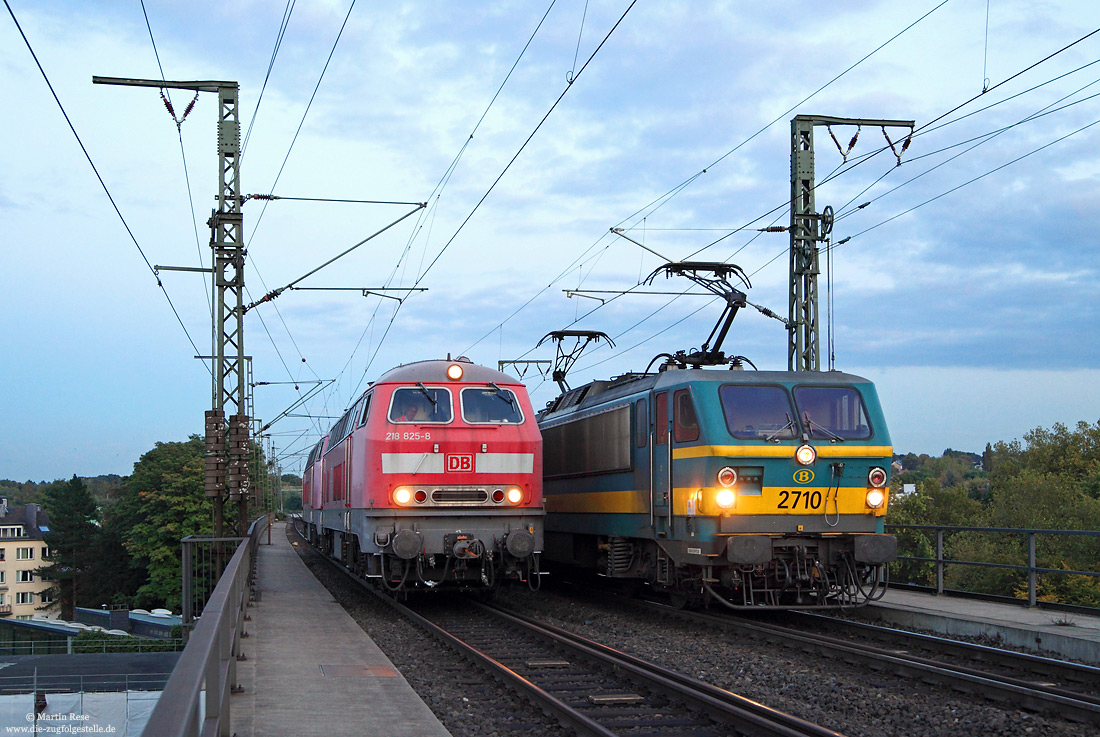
(966, 287)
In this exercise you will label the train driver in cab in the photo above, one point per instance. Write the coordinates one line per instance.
(412, 412)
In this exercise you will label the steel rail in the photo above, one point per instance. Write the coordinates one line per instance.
(723, 704)
(1088, 675)
(565, 714)
(1028, 695)
(749, 717)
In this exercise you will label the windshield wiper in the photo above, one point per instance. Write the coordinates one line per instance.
(815, 426)
(780, 431)
(504, 396)
(427, 394)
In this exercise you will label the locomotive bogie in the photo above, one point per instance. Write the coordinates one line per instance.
(432, 479)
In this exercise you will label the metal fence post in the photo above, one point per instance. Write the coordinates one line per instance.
(188, 586)
(1032, 574)
(939, 561)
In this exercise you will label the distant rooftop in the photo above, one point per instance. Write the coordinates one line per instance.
(30, 517)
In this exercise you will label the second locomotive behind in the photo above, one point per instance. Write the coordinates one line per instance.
(432, 479)
(748, 489)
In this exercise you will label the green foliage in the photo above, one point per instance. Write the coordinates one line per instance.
(292, 500)
(101, 642)
(102, 489)
(1050, 480)
(18, 493)
(162, 502)
(931, 504)
(71, 538)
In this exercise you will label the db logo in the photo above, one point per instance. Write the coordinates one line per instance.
(459, 462)
(803, 476)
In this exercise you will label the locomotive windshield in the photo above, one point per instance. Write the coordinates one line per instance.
(490, 405)
(832, 412)
(758, 412)
(420, 404)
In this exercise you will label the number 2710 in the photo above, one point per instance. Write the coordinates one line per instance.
(799, 499)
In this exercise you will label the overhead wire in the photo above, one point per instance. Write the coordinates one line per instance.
(102, 184)
(283, 24)
(305, 113)
(659, 202)
(972, 180)
(278, 43)
(842, 170)
(439, 186)
(424, 272)
(183, 157)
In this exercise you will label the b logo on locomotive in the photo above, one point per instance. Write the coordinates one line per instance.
(803, 476)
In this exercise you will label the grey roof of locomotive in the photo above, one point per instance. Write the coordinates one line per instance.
(436, 371)
(596, 393)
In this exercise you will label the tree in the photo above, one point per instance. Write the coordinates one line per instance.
(72, 535)
(165, 501)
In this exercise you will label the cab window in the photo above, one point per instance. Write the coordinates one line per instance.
(490, 405)
(660, 406)
(686, 425)
(420, 405)
(832, 412)
(758, 412)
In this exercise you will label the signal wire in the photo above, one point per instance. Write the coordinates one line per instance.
(183, 156)
(301, 123)
(970, 181)
(842, 170)
(103, 184)
(492, 186)
(270, 65)
(659, 202)
(508, 166)
(976, 140)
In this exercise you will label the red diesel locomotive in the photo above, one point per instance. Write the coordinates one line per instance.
(432, 479)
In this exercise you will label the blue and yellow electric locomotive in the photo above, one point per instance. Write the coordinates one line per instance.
(750, 488)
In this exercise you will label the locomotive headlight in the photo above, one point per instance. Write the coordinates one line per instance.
(515, 495)
(402, 495)
(805, 455)
(877, 478)
(725, 498)
(420, 496)
(454, 372)
(727, 477)
(876, 498)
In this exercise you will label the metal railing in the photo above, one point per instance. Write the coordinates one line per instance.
(85, 683)
(68, 645)
(1032, 568)
(196, 698)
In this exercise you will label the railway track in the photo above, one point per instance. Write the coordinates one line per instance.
(1044, 685)
(587, 687)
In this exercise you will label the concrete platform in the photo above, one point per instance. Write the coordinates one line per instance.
(310, 669)
(1058, 634)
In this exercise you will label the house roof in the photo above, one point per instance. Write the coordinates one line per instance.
(31, 517)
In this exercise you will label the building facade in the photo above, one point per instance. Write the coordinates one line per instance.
(22, 550)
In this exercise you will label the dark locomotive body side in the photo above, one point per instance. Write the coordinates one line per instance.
(432, 479)
(688, 480)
